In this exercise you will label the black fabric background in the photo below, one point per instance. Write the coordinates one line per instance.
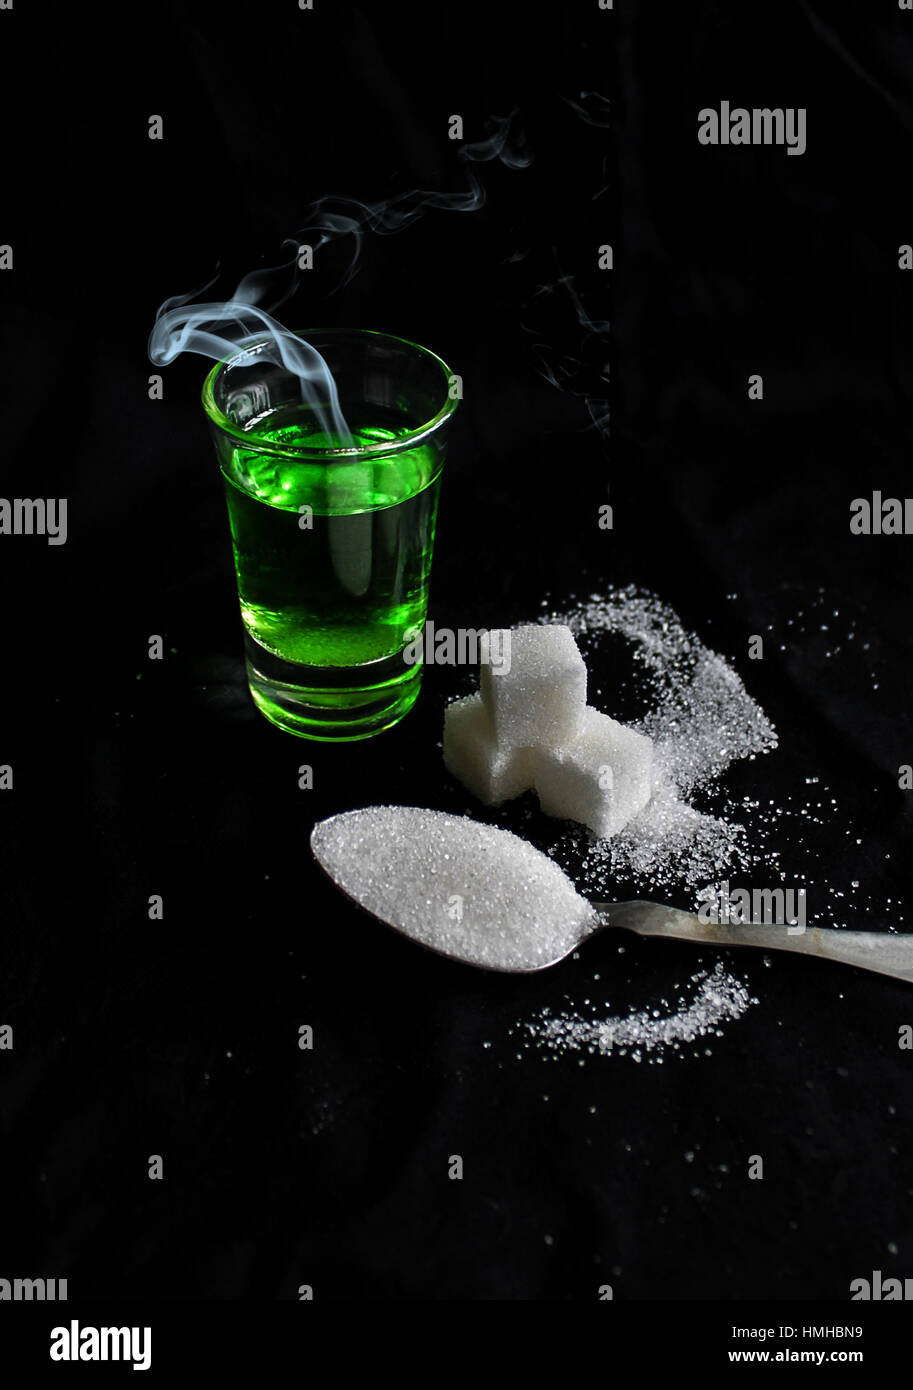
(180, 1038)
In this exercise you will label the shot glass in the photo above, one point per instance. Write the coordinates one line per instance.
(333, 534)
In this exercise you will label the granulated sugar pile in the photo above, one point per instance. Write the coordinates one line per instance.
(700, 717)
(719, 997)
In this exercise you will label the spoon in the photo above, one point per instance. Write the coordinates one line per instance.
(881, 952)
(405, 866)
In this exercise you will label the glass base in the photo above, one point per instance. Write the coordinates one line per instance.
(331, 704)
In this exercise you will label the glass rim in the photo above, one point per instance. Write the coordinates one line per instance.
(381, 449)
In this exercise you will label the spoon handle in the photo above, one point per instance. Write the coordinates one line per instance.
(882, 952)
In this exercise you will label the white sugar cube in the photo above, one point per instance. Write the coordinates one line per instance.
(533, 684)
(471, 752)
(601, 780)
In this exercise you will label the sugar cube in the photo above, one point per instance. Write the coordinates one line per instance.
(533, 684)
(471, 752)
(602, 779)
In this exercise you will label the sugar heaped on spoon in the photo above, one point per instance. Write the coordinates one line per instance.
(481, 895)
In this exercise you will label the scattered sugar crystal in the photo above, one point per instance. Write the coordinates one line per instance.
(538, 695)
(669, 843)
(491, 772)
(706, 723)
(470, 890)
(718, 998)
(602, 779)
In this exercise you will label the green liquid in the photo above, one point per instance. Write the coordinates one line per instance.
(339, 587)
